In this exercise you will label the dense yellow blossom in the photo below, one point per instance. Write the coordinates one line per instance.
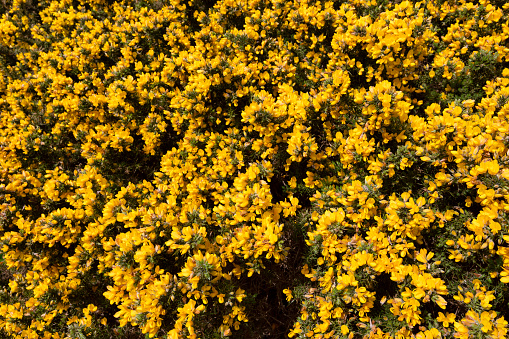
(202, 169)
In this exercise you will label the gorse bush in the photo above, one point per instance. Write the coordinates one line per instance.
(254, 169)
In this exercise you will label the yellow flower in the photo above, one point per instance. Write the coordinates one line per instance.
(441, 302)
(423, 256)
(288, 294)
(446, 319)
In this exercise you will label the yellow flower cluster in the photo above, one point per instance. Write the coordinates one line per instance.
(161, 162)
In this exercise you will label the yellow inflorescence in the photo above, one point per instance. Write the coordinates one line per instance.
(163, 162)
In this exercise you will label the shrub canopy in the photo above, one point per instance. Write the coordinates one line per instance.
(254, 169)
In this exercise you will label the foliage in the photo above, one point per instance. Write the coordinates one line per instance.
(262, 168)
